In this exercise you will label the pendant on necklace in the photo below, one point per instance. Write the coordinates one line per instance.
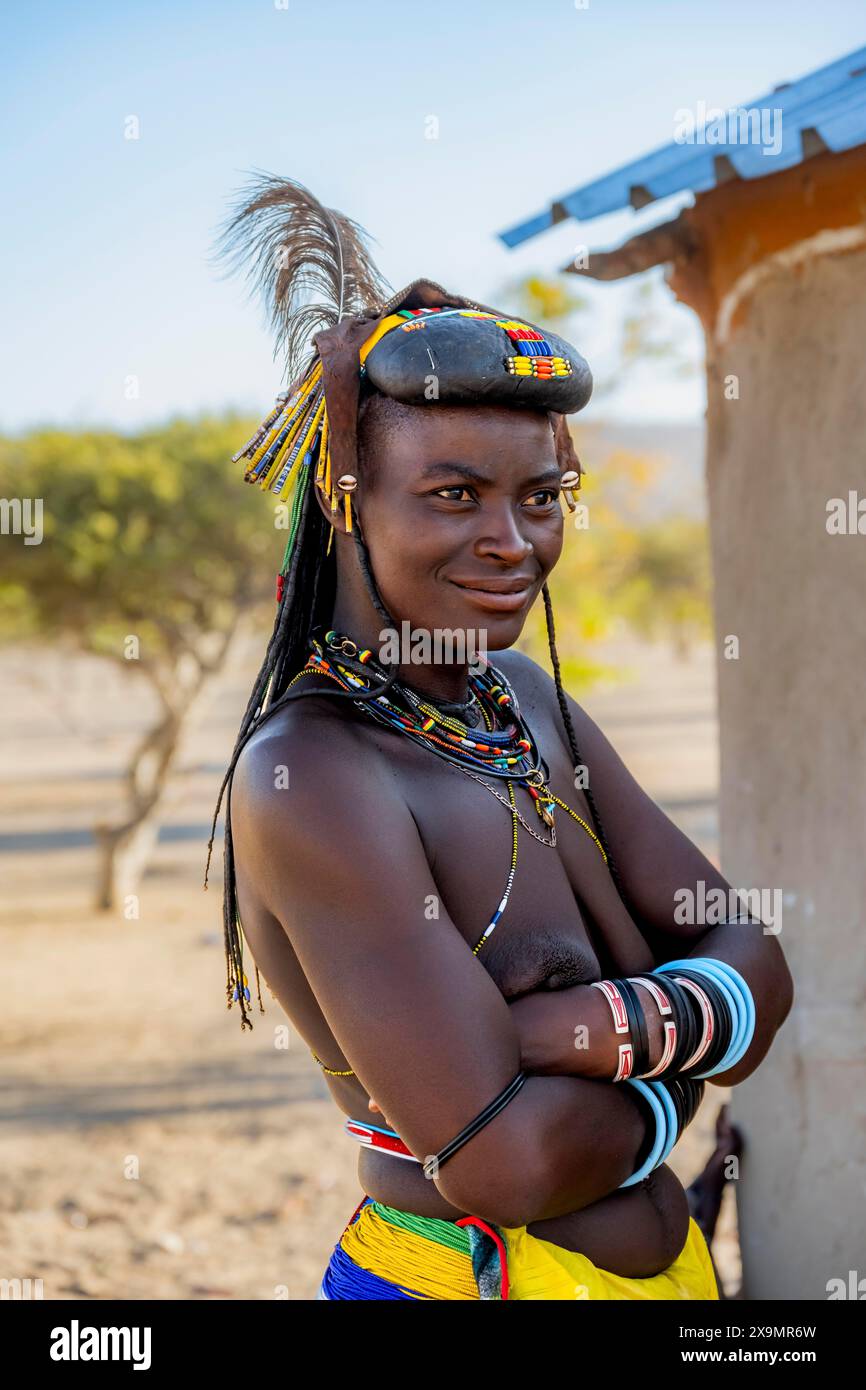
(543, 805)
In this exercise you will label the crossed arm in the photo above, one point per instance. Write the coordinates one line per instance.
(656, 861)
(351, 896)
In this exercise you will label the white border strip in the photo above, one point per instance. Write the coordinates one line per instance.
(826, 243)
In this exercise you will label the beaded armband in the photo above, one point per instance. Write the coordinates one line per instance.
(330, 1070)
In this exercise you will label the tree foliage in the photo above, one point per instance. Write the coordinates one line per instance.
(152, 534)
(150, 549)
(617, 570)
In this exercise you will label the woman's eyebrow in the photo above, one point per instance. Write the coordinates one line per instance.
(464, 470)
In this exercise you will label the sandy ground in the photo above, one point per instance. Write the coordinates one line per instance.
(148, 1148)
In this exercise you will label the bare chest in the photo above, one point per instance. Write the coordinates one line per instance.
(562, 922)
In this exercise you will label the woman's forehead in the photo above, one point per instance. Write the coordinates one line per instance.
(396, 430)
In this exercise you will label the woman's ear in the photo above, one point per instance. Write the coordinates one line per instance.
(563, 443)
(324, 503)
(342, 516)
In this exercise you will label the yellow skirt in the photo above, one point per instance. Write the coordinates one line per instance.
(384, 1253)
(540, 1270)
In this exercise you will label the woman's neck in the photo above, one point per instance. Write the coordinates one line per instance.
(438, 680)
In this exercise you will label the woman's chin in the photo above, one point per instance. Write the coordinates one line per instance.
(494, 631)
(461, 631)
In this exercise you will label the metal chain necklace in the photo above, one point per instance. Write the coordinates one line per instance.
(551, 843)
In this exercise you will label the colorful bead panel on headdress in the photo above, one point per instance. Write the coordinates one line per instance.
(538, 366)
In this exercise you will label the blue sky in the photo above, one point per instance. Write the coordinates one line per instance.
(106, 241)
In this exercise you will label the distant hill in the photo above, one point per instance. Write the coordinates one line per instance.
(679, 450)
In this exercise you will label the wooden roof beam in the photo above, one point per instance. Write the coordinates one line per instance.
(668, 242)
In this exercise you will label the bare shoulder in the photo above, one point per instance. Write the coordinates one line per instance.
(537, 692)
(533, 684)
(312, 747)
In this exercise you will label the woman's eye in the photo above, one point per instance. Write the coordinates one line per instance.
(547, 495)
(456, 488)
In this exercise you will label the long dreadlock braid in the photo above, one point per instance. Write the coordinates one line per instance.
(572, 737)
(306, 601)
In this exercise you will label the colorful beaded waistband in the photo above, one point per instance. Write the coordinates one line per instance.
(384, 1253)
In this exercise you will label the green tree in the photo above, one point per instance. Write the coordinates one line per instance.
(653, 576)
(151, 549)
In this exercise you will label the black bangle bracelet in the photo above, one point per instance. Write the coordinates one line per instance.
(695, 1094)
(683, 1019)
(681, 1002)
(636, 1025)
(652, 985)
(691, 983)
(678, 1017)
(696, 1017)
(678, 1096)
(722, 1021)
(435, 1161)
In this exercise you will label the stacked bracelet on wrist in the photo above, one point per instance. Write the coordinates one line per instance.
(672, 1105)
(708, 1015)
(707, 1012)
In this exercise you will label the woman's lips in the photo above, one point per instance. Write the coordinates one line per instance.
(496, 600)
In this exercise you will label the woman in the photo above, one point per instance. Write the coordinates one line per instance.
(446, 874)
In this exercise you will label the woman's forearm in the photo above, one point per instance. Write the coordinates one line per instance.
(570, 1032)
(563, 1143)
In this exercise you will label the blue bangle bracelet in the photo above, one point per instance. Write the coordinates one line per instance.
(719, 969)
(737, 979)
(737, 996)
(653, 1158)
(666, 1099)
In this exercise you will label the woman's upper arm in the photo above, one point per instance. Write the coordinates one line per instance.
(337, 858)
(657, 864)
(655, 860)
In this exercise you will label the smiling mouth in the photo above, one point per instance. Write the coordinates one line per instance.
(497, 595)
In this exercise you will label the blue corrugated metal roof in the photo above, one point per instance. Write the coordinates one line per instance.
(831, 101)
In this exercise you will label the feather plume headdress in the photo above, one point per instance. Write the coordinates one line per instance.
(313, 270)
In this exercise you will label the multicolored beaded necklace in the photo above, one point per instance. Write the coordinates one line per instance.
(509, 753)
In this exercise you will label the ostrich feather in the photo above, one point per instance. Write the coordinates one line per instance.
(310, 263)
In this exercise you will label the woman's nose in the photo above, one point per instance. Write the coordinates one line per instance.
(505, 540)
